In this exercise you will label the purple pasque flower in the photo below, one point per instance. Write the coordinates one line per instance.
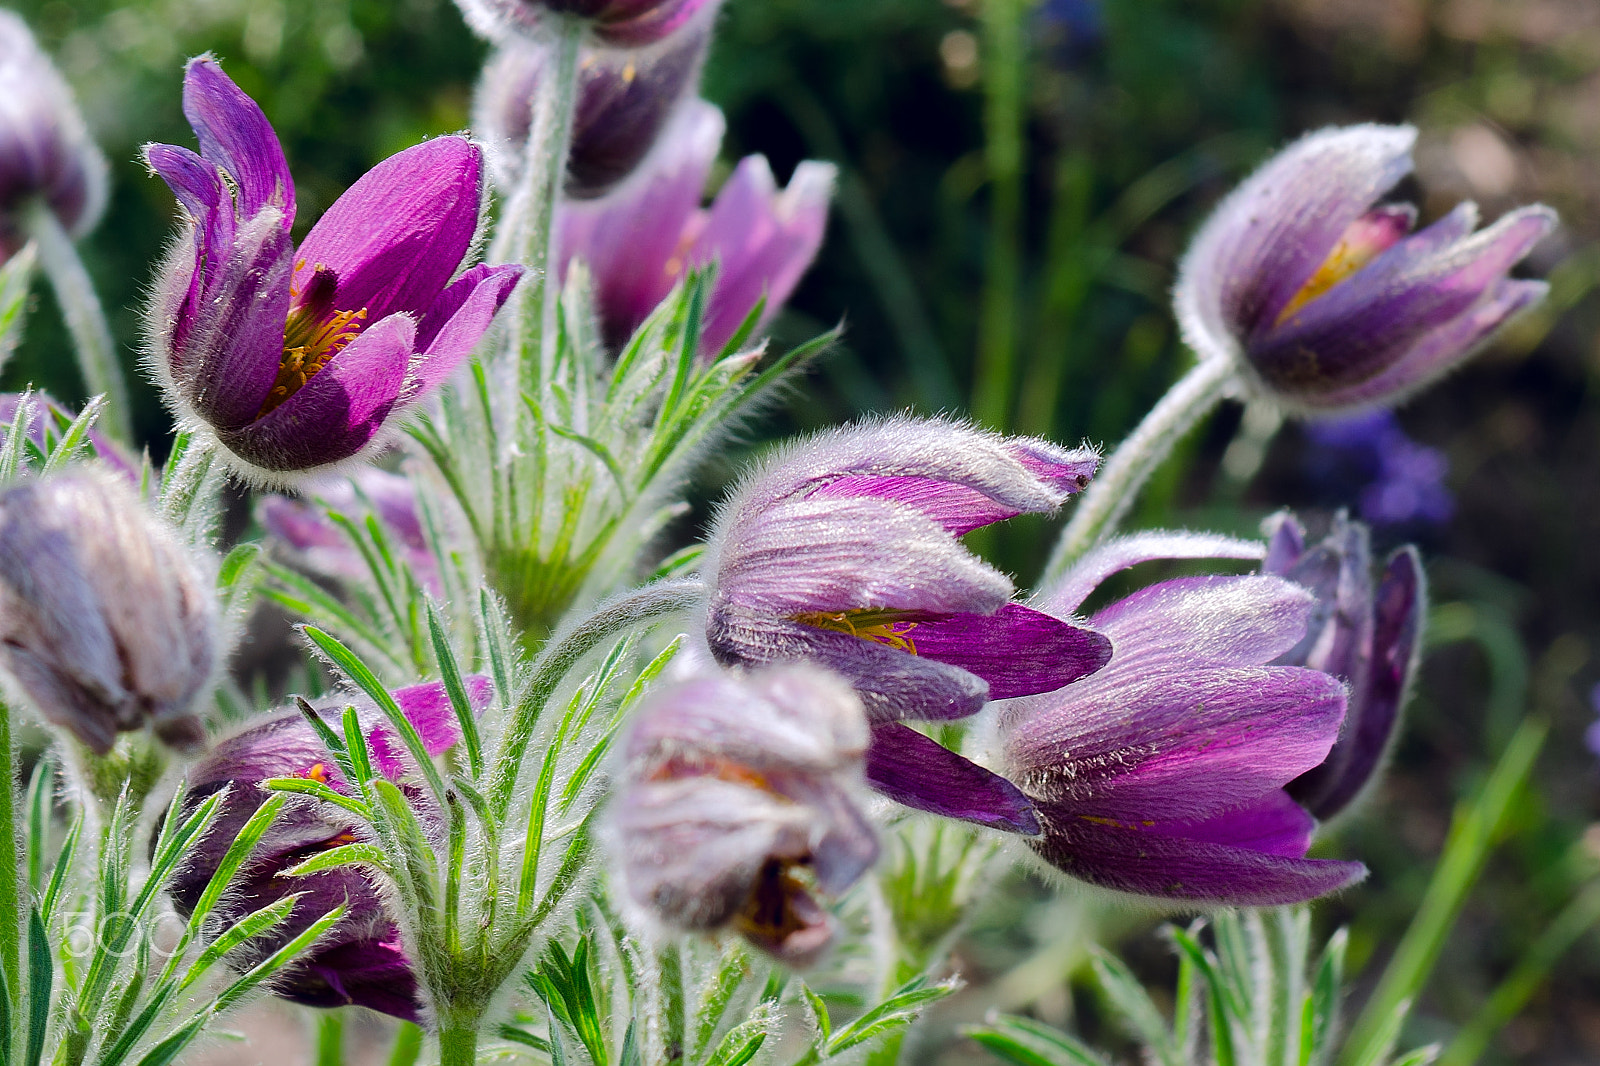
(107, 623)
(362, 960)
(613, 23)
(1396, 480)
(295, 359)
(1322, 299)
(302, 529)
(733, 785)
(45, 149)
(624, 101)
(1367, 636)
(1163, 774)
(642, 239)
(843, 550)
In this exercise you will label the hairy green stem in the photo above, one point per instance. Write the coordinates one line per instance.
(458, 1045)
(11, 908)
(1113, 491)
(86, 321)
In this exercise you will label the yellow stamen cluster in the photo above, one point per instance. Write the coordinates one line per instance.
(313, 334)
(1354, 251)
(881, 625)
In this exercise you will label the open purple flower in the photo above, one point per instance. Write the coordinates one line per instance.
(843, 550)
(1323, 300)
(1163, 774)
(296, 359)
(1367, 637)
(641, 240)
(361, 961)
(730, 788)
(615, 23)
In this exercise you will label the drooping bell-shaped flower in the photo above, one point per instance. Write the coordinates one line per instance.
(106, 622)
(624, 101)
(360, 961)
(843, 550)
(1319, 295)
(302, 529)
(614, 23)
(738, 799)
(641, 240)
(1368, 637)
(295, 359)
(1163, 774)
(46, 152)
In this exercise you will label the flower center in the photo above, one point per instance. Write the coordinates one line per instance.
(1362, 241)
(881, 625)
(312, 335)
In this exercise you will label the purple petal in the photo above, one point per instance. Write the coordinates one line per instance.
(398, 234)
(1239, 621)
(235, 135)
(1019, 651)
(1275, 825)
(1286, 542)
(657, 21)
(457, 320)
(1067, 595)
(370, 973)
(913, 770)
(1337, 573)
(427, 707)
(338, 411)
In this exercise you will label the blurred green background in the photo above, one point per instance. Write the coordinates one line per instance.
(1026, 198)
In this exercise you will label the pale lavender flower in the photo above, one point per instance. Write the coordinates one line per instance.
(615, 23)
(303, 530)
(45, 149)
(1163, 773)
(641, 240)
(106, 623)
(1368, 637)
(360, 961)
(1321, 298)
(844, 550)
(297, 358)
(624, 101)
(738, 793)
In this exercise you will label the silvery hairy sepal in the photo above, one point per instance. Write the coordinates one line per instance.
(624, 102)
(1321, 298)
(738, 797)
(45, 149)
(106, 621)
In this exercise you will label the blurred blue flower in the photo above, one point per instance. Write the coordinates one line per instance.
(1393, 479)
(1072, 30)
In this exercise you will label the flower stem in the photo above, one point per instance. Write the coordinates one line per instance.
(528, 235)
(458, 1045)
(86, 321)
(1113, 491)
(11, 908)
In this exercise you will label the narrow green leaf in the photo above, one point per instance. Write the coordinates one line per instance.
(343, 855)
(166, 1052)
(450, 672)
(244, 842)
(41, 975)
(250, 926)
(304, 786)
(1131, 1006)
(355, 743)
(819, 1013)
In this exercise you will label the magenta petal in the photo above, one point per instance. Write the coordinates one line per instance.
(235, 135)
(1019, 651)
(1242, 621)
(1067, 595)
(1275, 825)
(427, 707)
(956, 507)
(397, 235)
(458, 318)
(913, 770)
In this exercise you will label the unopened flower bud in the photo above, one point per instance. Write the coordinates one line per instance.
(45, 150)
(738, 799)
(105, 621)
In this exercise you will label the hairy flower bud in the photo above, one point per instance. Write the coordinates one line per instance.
(45, 150)
(105, 621)
(618, 23)
(738, 797)
(624, 100)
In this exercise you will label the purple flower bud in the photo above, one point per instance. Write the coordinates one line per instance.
(302, 530)
(624, 100)
(1323, 300)
(738, 798)
(105, 621)
(45, 150)
(616, 23)
(844, 550)
(361, 961)
(1163, 774)
(296, 359)
(641, 240)
(1366, 637)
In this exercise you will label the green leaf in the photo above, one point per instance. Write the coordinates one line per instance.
(899, 1009)
(250, 926)
(343, 855)
(819, 1013)
(1025, 1042)
(714, 1002)
(41, 975)
(450, 673)
(355, 743)
(304, 786)
(76, 436)
(169, 1049)
(244, 842)
(1131, 1007)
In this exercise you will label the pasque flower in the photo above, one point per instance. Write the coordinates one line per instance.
(106, 623)
(616, 23)
(303, 530)
(361, 961)
(738, 797)
(296, 358)
(641, 240)
(843, 550)
(45, 149)
(624, 100)
(1367, 636)
(1163, 774)
(1323, 300)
